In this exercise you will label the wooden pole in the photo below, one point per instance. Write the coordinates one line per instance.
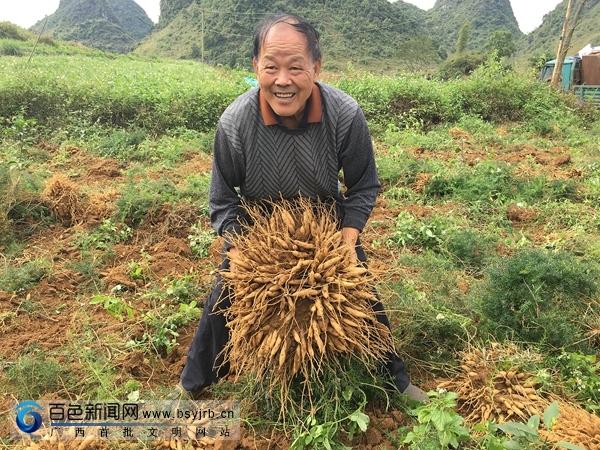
(202, 16)
(559, 61)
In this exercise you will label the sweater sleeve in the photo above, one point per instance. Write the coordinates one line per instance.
(226, 213)
(360, 174)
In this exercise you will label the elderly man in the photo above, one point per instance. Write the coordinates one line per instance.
(289, 137)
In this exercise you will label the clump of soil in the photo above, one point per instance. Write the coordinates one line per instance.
(421, 181)
(104, 168)
(173, 245)
(516, 213)
(167, 264)
(175, 220)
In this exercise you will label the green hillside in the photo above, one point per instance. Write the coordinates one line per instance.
(486, 16)
(374, 34)
(16, 41)
(112, 25)
(545, 38)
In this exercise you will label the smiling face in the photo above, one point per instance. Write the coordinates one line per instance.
(286, 72)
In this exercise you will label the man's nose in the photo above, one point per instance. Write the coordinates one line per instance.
(283, 78)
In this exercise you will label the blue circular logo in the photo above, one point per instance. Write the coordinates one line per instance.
(25, 412)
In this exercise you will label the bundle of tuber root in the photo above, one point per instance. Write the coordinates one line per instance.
(491, 385)
(486, 392)
(299, 300)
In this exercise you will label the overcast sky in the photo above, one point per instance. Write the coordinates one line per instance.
(529, 13)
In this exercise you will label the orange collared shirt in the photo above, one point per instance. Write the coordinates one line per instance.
(314, 104)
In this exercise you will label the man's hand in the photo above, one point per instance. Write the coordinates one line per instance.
(350, 236)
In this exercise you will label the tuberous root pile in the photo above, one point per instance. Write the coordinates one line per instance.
(299, 300)
(576, 426)
(488, 393)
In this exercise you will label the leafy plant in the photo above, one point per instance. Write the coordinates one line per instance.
(200, 240)
(581, 375)
(438, 426)
(409, 231)
(116, 307)
(106, 235)
(183, 290)
(163, 329)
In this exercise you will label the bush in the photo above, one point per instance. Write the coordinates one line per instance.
(461, 65)
(538, 296)
(141, 199)
(34, 375)
(469, 249)
(11, 31)
(21, 278)
(431, 331)
(427, 234)
(10, 49)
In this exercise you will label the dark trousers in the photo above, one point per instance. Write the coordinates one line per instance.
(204, 364)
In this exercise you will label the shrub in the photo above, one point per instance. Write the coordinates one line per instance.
(34, 375)
(140, 199)
(469, 248)
(24, 277)
(538, 296)
(10, 49)
(11, 31)
(428, 329)
(457, 66)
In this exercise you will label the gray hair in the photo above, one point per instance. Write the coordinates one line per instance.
(301, 25)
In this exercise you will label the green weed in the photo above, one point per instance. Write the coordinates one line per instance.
(116, 307)
(162, 327)
(438, 426)
(580, 373)
(200, 241)
(141, 199)
(21, 278)
(538, 296)
(36, 374)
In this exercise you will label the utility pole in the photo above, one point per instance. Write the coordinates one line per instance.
(202, 33)
(565, 40)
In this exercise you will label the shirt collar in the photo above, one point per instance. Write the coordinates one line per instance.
(313, 104)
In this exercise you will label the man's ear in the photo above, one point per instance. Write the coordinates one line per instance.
(317, 68)
(255, 65)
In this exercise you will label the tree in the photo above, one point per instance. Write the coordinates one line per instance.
(564, 42)
(463, 38)
(503, 43)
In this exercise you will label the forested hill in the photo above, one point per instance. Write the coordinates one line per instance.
(374, 34)
(545, 38)
(113, 25)
(485, 17)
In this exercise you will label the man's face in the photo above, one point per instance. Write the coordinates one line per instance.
(286, 71)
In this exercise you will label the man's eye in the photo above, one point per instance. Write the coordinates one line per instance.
(270, 68)
(296, 69)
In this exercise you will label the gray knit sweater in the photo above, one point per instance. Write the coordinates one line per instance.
(256, 162)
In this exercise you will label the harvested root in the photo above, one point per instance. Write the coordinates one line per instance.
(65, 200)
(488, 393)
(299, 302)
(577, 426)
